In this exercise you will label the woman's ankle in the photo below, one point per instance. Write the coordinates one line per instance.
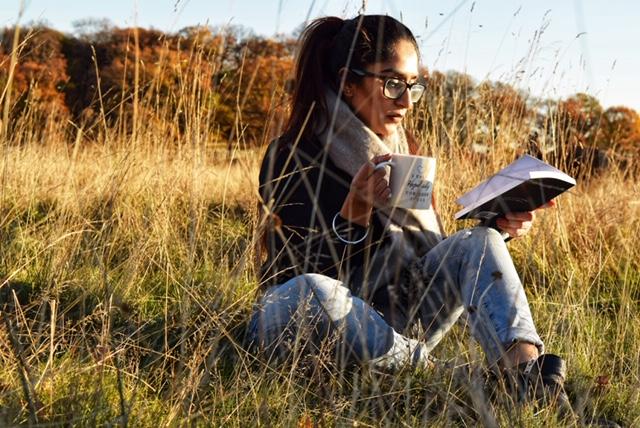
(518, 353)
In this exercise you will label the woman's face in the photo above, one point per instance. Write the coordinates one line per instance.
(381, 114)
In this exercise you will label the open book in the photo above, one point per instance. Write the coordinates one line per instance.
(524, 185)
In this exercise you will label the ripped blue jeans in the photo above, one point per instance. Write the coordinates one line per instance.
(470, 271)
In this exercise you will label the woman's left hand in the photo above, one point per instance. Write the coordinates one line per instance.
(519, 224)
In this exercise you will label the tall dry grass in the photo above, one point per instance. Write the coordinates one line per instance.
(127, 278)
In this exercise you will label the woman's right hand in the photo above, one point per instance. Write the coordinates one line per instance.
(369, 188)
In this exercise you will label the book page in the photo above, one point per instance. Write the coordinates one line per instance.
(516, 172)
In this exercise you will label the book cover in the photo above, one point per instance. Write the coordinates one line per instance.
(524, 185)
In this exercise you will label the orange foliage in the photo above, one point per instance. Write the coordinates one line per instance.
(621, 129)
(40, 75)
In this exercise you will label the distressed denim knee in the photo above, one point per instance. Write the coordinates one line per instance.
(472, 269)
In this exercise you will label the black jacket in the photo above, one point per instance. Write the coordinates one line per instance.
(302, 191)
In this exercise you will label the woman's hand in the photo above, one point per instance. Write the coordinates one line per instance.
(519, 224)
(369, 187)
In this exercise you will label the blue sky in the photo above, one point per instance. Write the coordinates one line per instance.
(551, 48)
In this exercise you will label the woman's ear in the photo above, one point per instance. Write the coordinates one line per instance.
(347, 87)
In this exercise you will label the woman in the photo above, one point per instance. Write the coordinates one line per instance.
(341, 264)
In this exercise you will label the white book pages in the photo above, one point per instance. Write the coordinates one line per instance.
(521, 170)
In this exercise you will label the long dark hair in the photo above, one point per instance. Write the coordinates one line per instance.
(329, 44)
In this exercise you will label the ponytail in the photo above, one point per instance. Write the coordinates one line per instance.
(312, 75)
(327, 45)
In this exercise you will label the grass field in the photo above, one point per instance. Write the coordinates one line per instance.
(127, 276)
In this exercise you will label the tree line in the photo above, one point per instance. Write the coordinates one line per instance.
(231, 85)
(119, 77)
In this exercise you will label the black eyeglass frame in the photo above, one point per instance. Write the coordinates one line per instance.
(386, 78)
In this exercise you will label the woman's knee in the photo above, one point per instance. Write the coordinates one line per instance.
(479, 235)
(330, 294)
(489, 233)
(301, 288)
(307, 296)
(303, 311)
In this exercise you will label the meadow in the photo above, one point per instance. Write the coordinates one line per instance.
(128, 271)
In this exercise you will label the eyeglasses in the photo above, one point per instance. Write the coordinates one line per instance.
(394, 88)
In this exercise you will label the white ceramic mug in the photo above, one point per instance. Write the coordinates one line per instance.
(411, 180)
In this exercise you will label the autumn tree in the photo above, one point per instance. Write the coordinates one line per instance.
(569, 135)
(497, 115)
(581, 118)
(621, 129)
(445, 105)
(40, 76)
(136, 76)
(256, 82)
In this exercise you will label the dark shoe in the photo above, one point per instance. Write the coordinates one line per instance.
(541, 381)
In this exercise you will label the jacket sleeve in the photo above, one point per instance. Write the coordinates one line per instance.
(301, 198)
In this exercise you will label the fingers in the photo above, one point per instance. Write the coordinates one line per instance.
(380, 185)
(369, 178)
(369, 168)
(369, 173)
(384, 196)
(381, 158)
(550, 204)
(370, 185)
(520, 216)
(514, 229)
(378, 174)
(516, 224)
(381, 189)
(519, 223)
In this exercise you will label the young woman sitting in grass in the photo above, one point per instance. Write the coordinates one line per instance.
(346, 271)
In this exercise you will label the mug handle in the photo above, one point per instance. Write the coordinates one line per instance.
(383, 164)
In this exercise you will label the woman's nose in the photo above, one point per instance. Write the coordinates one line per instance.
(405, 100)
